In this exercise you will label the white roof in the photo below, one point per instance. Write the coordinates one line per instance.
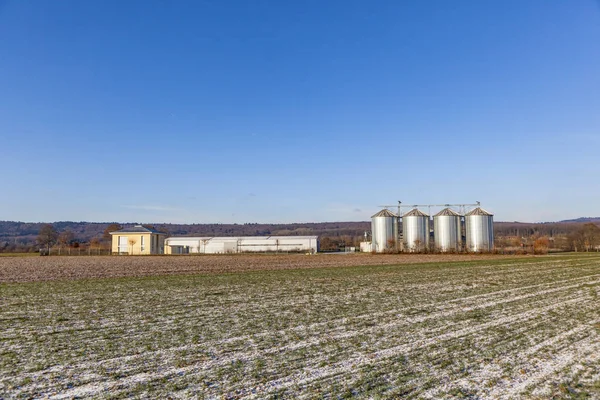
(218, 238)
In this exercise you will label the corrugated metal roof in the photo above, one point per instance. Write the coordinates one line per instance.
(447, 212)
(415, 212)
(384, 213)
(478, 211)
(137, 229)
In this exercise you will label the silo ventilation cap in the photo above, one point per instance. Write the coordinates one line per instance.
(447, 212)
(415, 212)
(479, 211)
(384, 213)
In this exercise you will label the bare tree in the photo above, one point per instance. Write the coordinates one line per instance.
(391, 246)
(106, 236)
(417, 245)
(95, 244)
(47, 236)
(64, 239)
(540, 245)
(132, 243)
(591, 236)
(585, 238)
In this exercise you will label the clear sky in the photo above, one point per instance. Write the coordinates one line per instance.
(297, 111)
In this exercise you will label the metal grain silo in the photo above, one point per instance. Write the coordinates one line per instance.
(479, 227)
(415, 228)
(446, 231)
(384, 231)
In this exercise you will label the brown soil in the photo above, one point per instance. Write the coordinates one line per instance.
(31, 269)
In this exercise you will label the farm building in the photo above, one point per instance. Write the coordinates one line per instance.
(138, 240)
(241, 244)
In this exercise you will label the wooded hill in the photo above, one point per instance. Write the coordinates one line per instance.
(21, 236)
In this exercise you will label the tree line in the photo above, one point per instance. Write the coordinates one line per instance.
(49, 237)
(25, 237)
(66, 236)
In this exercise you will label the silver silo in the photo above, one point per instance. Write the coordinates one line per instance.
(446, 231)
(415, 228)
(479, 227)
(384, 231)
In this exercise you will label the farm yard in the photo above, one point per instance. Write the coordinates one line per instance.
(245, 327)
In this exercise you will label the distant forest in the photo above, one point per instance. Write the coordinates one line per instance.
(22, 236)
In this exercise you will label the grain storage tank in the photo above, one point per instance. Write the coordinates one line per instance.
(479, 227)
(415, 228)
(446, 231)
(384, 231)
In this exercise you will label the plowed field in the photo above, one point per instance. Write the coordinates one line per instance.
(474, 327)
(26, 269)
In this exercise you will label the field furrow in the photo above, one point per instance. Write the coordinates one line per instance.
(473, 327)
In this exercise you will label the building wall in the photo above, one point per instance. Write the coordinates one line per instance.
(152, 243)
(182, 245)
(246, 244)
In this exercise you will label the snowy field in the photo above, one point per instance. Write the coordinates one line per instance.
(478, 328)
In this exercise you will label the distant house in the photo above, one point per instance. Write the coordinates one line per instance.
(138, 240)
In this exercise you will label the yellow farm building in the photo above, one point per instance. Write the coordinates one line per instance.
(138, 240)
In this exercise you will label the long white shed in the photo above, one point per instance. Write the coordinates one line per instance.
(241, 244)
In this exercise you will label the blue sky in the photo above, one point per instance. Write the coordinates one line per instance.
(304, 111)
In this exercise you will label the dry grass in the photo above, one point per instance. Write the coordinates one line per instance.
(489, 328)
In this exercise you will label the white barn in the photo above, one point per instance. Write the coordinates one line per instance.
(241, 244)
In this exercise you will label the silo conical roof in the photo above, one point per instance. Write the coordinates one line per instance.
(415, 212)
(479, 211)
(384, 213)
(447, 212)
